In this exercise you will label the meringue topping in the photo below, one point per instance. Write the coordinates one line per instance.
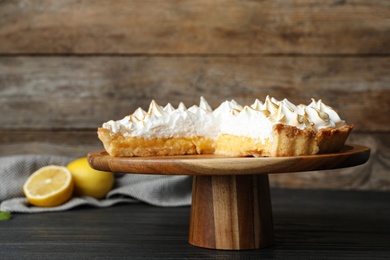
(255, 120)
(331, 114)
(247, 122)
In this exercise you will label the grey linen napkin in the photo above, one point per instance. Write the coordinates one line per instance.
(157, 190)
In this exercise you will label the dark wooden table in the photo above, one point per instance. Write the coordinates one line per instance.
(308, 224)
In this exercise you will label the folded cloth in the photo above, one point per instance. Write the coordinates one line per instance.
(157, 190)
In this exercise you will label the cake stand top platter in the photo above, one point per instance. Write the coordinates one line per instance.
(208, 164)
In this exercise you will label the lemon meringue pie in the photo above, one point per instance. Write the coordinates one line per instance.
(269, 128)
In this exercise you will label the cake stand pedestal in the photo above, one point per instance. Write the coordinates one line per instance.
(231, 201)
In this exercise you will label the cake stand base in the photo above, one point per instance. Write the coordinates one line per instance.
(231, 212)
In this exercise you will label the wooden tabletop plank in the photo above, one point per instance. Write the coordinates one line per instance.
(308, 224)
(185, 27)
(83, 92)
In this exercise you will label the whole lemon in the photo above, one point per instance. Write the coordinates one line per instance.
(88, 181)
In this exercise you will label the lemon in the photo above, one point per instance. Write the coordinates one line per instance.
(49, 186)
(88, 181)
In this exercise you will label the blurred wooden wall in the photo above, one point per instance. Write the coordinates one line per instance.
(68, 66)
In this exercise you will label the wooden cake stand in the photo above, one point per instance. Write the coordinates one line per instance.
(231, 202)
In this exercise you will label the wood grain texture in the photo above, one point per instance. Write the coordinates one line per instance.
(62, 143)
(185, 27)
(308, 224)
(66, 67)
(210, 164)
(231, 212)
(84, 92)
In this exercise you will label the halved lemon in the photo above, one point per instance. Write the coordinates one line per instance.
(49, 186)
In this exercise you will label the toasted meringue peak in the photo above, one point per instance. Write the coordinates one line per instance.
(257, 105)
(332, 114)
(182, 107)
(271, 106)
(138, 114)
(286, 115)
(205, 105)
(234, 104)
(226, 106)
(169, 108)
(194, 109)
(289, 104)
(280, 114)
(274, 100)
(317, 118)
(250, 111)
(155, 109)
